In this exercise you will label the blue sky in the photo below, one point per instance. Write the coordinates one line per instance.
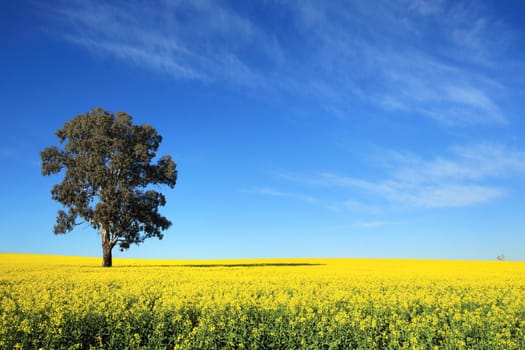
(300, 128)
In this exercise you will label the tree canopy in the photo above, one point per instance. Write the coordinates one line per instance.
(109, 165)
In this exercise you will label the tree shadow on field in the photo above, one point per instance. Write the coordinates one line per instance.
(223, 265)
(252, 265)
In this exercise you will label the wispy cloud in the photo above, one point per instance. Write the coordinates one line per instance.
(419, 84)
(268, 191)
(373, 224)
(196, 40)
(433, 59)
(425, 194)
(467, 176)
(406, 56)
(474, 162)
(352, 205)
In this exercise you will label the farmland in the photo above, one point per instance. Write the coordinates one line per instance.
(54, 302)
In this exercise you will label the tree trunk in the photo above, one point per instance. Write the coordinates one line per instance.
(107, 259)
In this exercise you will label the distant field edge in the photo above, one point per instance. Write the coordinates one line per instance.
(22, 258)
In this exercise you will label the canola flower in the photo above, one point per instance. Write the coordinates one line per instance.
(51, 302)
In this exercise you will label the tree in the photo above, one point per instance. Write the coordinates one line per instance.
(108, 178)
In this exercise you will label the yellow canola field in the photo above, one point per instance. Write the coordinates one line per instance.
(52, 302)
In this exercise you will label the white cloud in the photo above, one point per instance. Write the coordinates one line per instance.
(352, 205)
(162, 61)
(196, 40)
(473, 163)
(466, 176)
(424, 194)
(373, 224)
(380, 52)
(448, 195)
(418, 83)
(426, 7)
(268, 191)
(475, 99)
(425, 58)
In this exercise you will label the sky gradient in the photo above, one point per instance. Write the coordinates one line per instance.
(300, 129)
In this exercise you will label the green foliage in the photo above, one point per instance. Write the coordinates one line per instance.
(107, 166)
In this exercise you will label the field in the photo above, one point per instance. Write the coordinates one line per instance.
(55, 302)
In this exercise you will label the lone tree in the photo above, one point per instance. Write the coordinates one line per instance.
(108, 173)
